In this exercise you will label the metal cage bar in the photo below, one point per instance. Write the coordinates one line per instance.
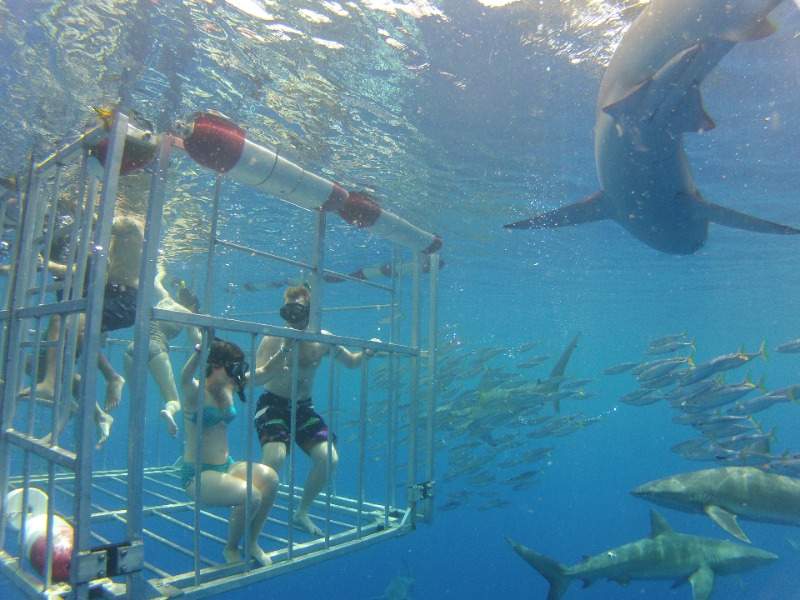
(295, 369)
(433, 316)
(141, 357)
(413, 416)
(362, 440)
(91, 349)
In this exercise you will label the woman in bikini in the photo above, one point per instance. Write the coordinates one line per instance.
(223, 482)
(161, 333)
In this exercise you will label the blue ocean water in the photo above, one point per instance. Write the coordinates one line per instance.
(459, 115)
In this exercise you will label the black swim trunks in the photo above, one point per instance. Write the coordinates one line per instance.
(273, 421)
(119, 307)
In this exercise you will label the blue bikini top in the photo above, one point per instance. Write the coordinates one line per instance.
(213, 415)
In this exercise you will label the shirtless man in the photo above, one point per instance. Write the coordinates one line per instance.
(273, 413)
(119, 312)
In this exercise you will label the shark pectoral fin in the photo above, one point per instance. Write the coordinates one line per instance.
(662, 96)
(590, 209)
(679, 582)
(702, 582)
(727, 521)
(632, 103)
(754, 31)
(691, 115)
(732, 218)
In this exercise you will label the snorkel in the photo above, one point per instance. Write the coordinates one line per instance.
(296, 314)
(237, 370)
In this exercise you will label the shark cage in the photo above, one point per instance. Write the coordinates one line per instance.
(76, 522)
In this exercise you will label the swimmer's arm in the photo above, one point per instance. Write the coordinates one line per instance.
(195, 337)
(270, 352)
(353, 359)
(56, 268)
(261, 375)
(187, 373)
(349, 359)
(161, 274)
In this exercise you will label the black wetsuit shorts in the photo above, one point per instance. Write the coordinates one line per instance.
(119, 307)
(273, 421)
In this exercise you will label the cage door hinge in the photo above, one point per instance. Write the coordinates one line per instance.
(91, 565)
(122, 558)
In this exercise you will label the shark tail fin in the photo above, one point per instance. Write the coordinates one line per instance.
(587, 210)
(552, 571)
(737, 220)
(772, 434)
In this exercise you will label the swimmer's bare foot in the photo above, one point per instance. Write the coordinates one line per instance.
(232, 555)
(260, 556)
(168, 416)
(44, 391)
(303, 522)
(104, 422)
(114, 391)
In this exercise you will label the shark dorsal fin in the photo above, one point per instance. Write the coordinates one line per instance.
(658, 524)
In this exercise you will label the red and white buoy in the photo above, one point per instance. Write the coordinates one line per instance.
(139, 150)
(219, 144)
(35, 542)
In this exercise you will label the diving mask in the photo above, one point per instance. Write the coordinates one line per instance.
(237, 370)
(296, 314)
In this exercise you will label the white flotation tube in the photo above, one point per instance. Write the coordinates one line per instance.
(221, 145)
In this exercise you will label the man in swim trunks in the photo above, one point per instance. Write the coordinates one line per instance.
(119, 312)
(273, 413)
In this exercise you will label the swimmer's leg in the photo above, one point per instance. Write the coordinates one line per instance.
(103, 420)
(224, 489)
(317, 478)
(161, 368)
(265, 480)
(114, 382)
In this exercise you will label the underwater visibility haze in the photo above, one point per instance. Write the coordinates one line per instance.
(616, 186)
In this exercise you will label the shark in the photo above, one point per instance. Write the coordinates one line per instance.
(649, 97)
(553, 382)
(399, 588)
(664, 554)
(726, 493)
